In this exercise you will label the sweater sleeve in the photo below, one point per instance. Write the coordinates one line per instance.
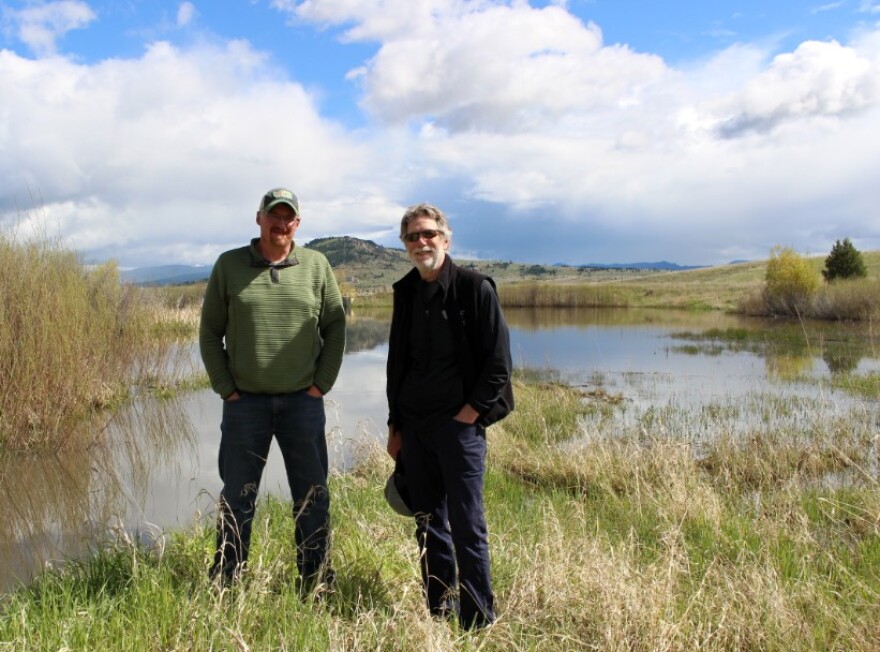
(331, 325)
(212, 329)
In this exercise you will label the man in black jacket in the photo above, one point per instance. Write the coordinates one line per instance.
(448, 378)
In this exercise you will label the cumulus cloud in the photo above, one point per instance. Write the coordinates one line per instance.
(41, 26)
(176, 146)
(486, 65)
(816, 80)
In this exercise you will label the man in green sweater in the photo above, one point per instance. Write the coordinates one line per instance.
(272, 335)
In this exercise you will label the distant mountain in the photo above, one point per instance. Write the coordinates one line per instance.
(662, 265)
(166, 274)
(342, 251)
(369, 264)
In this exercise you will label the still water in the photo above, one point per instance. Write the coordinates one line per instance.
(157, 472)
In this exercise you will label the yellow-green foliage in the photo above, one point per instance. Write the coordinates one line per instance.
(791, 281)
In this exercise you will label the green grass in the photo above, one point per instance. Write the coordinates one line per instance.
(862, 385)
(605, 533)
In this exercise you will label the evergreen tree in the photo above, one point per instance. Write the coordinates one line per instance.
(844, 261)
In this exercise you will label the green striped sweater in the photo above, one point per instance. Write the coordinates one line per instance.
(271, 335)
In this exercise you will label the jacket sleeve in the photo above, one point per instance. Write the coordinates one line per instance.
(392, 365)
(496, 364)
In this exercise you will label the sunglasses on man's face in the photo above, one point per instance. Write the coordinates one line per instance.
(415, 236)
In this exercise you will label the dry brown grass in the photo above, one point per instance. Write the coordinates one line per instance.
(74, 339)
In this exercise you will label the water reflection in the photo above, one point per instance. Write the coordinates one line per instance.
(62, 503)
(157, 466)
(791, 349)
(367, 331)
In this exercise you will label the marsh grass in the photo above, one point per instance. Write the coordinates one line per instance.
(74, 340)
(867, 385)
(736, 288)
(672, 531)
(568, 295)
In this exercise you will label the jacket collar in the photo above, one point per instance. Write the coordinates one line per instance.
(446, 278)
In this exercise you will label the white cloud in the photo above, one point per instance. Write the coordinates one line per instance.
(40, 26)
(186, 12)
(177, 146)
(486, 65)
(816, 80)
(827, 7)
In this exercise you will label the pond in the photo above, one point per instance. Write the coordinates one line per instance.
(158, 469)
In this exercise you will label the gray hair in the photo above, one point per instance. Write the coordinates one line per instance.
(425, 210)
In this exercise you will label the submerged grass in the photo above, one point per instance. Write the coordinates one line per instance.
(610, 529)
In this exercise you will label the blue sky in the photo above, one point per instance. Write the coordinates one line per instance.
(581, 131)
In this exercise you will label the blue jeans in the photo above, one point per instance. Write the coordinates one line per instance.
(297, 422)
(444, 476)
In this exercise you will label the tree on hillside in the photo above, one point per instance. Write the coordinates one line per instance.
(844, 261)
(791, 282)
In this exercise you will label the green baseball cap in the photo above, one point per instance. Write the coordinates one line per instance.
(279, 196)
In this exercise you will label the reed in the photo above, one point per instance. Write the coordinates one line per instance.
(74, 340)
(552, 295)
(854, 299)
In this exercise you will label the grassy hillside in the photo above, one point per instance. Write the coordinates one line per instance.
(720, 287)
(364, 267)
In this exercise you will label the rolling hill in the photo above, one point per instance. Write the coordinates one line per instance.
(371, 267)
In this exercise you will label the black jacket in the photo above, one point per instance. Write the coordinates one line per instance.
(480, 331)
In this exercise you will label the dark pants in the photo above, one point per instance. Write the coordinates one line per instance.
(444, 475)
(297, 421)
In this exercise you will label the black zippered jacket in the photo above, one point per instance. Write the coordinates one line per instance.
(481, 334)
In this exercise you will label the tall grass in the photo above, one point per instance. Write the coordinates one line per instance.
(74, 340)
(853, 299)
(609, 530)
(847, 300)
(549, 295)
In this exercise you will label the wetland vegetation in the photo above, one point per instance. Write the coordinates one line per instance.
(606, 534)
(749, 522)
(75, 342)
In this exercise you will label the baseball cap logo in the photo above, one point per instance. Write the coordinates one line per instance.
(279, 196)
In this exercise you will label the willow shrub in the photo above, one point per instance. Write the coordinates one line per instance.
(71, 337)
(791, 282)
